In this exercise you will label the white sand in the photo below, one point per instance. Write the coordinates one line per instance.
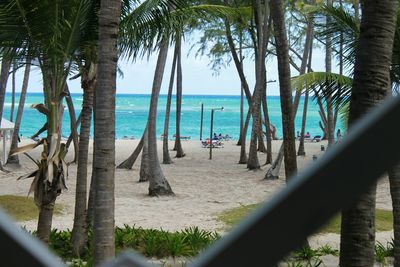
(203, 189)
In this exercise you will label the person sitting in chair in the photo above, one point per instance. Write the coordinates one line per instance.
(215, 137)
(307, 135)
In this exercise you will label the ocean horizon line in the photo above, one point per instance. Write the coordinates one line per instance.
(138, 94)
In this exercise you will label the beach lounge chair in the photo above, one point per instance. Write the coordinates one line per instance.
(215, 144)
(183, 137)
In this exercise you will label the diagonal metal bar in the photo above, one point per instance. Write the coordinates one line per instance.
(314, 196)
(21, 249)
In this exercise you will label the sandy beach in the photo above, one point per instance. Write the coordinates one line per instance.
(203, 188)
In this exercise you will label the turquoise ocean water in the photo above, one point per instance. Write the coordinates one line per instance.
(132, 111)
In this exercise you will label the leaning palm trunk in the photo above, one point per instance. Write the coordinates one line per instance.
(267, 127)
(73, 124)
(166, 156)
(178, 143)
(144, 172)
(158, 183)
(273, 172)
(394, 179)
(370, 86)
(79, 230)
(128, 163)
(13, 159)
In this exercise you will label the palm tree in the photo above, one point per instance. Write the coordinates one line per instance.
(282, 48)
(13, 159)
(166, 156)
(14, 69)
(262, 25)
(158, 183)
(178, 143)
(370, 87)
(104, 132)
(51, 32)
(79, 230)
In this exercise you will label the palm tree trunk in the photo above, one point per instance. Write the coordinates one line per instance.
(394, 179)
(44, 222)
(261, 20)
(128, 163)
(104, 169)
(273, 172)
(241, 117)
(166, 156)
(73, 124)
(310, 32)
(356, 5)
(243, 155)
(92, 190)
(5, 68)
(12, 94)
(370, 86)
(144, 173)
(14, 141)
(241, 88)
(71, 135)
(287, 109)
(267, 127)
(79, 230)
(328, 66)
(158, 183)
(178, 143)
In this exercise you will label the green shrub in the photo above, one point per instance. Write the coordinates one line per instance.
(150, 242)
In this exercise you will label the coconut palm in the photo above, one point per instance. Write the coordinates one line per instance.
(104, 132)
(370, 86)
(166, 156)
(13, 159)
(278, 16)
(178, 143)
(51, 32)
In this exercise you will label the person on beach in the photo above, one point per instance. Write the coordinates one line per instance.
(338, 136)
(307, 135)
(215, 137)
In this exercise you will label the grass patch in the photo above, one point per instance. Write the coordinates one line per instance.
(383, 220)
(21, 208)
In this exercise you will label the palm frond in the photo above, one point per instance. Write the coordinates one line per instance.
(334, 86)
(343, 26)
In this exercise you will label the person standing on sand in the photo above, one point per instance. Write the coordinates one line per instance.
(338, 136)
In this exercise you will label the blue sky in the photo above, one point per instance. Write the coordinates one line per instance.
(198, 78)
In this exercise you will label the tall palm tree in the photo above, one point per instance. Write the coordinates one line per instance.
(79, 230)
(14, 70)
(278, 16)
(178, 143)
(104, 132)
(158, 184)
(261, 16)
(370, 86)
(51, 32)
(13, 159)
(166, 156)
